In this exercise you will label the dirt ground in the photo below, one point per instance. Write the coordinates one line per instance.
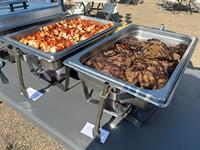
(18, 134)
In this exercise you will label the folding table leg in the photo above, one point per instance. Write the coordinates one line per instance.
(189, 7)
(85, 10)
(91, 8)
(25, 5)
(98, 7)
(11, 7)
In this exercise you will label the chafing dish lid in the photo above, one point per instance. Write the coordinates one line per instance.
(36, 12)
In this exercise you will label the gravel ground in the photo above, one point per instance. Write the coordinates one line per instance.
(19, 134)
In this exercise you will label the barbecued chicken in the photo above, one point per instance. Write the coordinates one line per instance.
(155, 49)
(149, 73)
(146, 64)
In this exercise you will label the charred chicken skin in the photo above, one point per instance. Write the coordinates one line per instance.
(146, 64)
(58, 36)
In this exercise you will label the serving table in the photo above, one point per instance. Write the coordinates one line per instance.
(64, 114)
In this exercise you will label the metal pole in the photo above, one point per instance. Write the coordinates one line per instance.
(104, 94)
(20, 74)
(86, 91)
(67, 78)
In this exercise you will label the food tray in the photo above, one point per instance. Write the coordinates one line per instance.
(160, 97)
(52, 57)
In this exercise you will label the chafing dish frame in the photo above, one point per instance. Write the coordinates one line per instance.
(106, 82)
(14, 38)
(21, 49)
(160, 97)
(18, 55)
(10, 23)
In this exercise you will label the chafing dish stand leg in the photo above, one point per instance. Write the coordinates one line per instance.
(20, 73)
(41, 73)
(10, 57)
(65, 87)
(86, 91)
(103, 95)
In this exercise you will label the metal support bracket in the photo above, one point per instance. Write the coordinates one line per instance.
(111, 103)
(35, 66)
(20, 73)
(37, 69)
(105, 92)
(86, 91)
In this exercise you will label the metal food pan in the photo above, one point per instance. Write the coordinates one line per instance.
(160, 97)
(13, 39)
(97, 85)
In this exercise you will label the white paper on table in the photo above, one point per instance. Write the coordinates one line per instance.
(34, 94)
(88, 131)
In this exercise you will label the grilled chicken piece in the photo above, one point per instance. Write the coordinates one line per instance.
(154, 49)
(177, 51)
(148, 74)
(146, 64)
(100, 63)
(133, 43)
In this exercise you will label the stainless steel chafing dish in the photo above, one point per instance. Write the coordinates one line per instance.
(108, 84)
(47, 61)
(14, 38)
(21, 19)
(160, 97)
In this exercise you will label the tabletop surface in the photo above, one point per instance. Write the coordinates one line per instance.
(64, 114)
